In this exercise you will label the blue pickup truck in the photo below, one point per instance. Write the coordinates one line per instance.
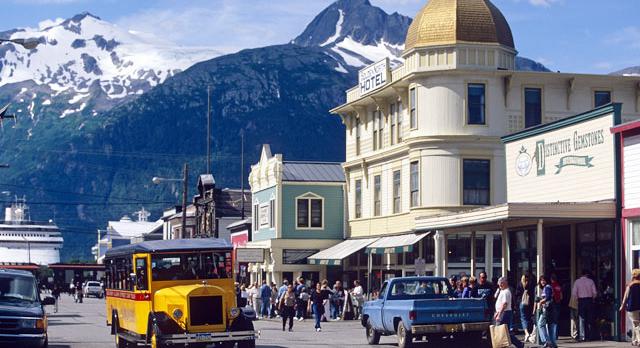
(420, 308)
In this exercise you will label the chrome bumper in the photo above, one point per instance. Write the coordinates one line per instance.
(210, 337)
(449, 328)
(23, 336)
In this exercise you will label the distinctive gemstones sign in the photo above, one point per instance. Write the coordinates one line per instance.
(569, 162)
(374, 76)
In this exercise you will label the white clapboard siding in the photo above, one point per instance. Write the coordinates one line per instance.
(632, 172)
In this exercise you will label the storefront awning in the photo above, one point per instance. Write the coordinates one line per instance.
(334, 255)
(395, 244)
(492, 218)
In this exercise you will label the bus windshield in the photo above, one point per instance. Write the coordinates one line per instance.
(191, 266)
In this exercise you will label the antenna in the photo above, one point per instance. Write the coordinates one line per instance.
(208, 130)
(242, 174)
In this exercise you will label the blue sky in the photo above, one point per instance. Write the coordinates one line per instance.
(590, 36)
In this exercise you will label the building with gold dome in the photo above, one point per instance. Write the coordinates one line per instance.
(423, 139)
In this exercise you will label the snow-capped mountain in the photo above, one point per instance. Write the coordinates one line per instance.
(358, 32)
(630, 71)
(85, 58)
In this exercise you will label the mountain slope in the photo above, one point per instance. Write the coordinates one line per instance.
(631, 71)
(85, 60)
(357, 31)
(87, 144)
(278, 95)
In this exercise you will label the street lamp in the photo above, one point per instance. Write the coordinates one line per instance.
(26, 43)
(185, 179)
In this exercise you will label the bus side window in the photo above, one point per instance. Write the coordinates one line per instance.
(142, 280)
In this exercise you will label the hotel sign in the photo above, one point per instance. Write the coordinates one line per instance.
(374, 76)
(572, 163)
(250, 255)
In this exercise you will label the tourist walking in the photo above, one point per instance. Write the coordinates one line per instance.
(244, 296)
(302, 298)
(274, 301)
(316, 304)
(584, 289)
(56, 295)
(286, 306)
(504, 312)
(555, 304)
(358, 299)
(544, 307)
(631, 303)
(485, 289)
(254, 292)
(337, 301)
(326, 303)
(265, 297)
(524, 298)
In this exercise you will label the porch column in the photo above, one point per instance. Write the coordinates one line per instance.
(473, 253)
(574, 271)
(370, 271)
(445, 255)
(540, 248)
(439, 252)
(503, 240)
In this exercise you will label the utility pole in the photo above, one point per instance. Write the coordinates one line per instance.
(185, 182)
(208, 130)
(242, 174)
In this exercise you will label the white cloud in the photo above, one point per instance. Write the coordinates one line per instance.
(603, 66)
(226, 25)
(49, 23)
(47, 2)
(542, 3)
(629, 36)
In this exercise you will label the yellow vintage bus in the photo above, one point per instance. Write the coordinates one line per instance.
(175, 293)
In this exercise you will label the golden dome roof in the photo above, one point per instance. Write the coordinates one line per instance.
(442, 22)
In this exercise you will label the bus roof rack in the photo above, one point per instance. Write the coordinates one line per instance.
(178, 245)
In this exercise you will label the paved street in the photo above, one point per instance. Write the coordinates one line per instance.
(84, 326)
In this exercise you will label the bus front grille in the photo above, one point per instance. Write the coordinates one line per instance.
(206, 310)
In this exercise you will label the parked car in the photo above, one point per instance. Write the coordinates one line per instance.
(417, 308)
(23, 321)
(93, 288)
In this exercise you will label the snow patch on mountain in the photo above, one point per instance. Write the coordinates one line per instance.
(75, 53)
(335, 36)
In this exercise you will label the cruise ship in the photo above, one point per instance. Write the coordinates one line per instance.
(26, 241)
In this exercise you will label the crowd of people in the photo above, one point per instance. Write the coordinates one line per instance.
(296, 301)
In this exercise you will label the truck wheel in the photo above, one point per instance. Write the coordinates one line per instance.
(247, 326)
(373, 336)
(405, 338)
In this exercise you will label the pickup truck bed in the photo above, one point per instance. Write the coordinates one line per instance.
(412, 313)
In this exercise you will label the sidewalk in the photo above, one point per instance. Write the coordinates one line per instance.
(568, 342)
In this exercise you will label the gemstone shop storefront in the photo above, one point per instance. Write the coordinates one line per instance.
(561, 211)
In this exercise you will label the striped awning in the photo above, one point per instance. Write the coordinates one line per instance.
(333, 256)
(395, 244)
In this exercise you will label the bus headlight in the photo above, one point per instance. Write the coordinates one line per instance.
(234, 312)
(177, 313)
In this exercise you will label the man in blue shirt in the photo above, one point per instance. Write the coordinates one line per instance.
(265, 293)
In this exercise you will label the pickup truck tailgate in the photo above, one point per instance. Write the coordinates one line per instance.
(444, 311)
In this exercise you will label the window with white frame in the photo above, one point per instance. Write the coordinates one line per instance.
(374, 117)
(256, 210)
(399, 120)
(396, 192)
(634, 228)
(415, 183)
(357, 126)
(358, 200)
(272, 213)
(413, 116)
(377, 205)
(378, 130)
(309, 211)
(392, 124)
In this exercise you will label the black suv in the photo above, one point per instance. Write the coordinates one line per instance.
(23, 322)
